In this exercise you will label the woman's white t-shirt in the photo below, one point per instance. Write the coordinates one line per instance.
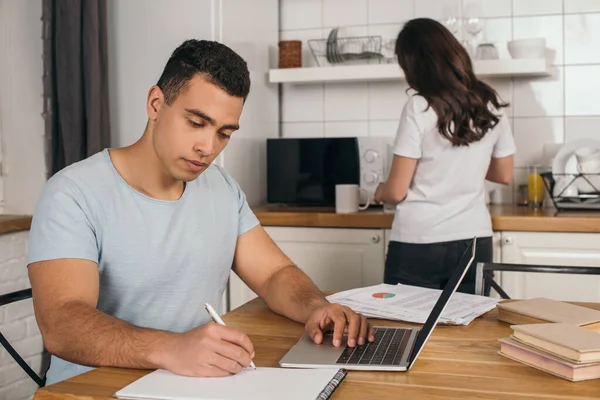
(446, 198)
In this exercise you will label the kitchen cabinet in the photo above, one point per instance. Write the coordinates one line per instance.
(551, 248)
(335, 259)
(340, 259)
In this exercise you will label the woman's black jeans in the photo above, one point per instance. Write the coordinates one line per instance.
(431, 265)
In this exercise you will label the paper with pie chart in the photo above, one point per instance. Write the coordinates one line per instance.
(383, 295)
(412, 303)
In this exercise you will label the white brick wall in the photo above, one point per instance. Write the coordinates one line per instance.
(17, 322)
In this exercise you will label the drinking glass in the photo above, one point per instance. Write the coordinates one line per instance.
(535, 186)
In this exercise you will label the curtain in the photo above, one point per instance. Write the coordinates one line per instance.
(75, 80)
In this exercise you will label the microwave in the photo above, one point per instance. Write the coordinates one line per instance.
(304, 171)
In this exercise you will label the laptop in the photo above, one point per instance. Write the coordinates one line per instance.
(394, 348)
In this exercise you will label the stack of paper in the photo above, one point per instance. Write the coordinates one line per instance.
(412, 303)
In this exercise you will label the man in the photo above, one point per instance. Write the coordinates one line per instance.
(127, 245)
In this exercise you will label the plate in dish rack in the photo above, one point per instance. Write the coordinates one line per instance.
(566, 163)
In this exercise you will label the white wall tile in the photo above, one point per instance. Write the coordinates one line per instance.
(345, 129)
(540, 96)
(302, 129)
(383, 128)
(579, 6)
(499, 32)
(504, 88)
(390, 11)
(537, 7)
(302, 103)
(346, 101)
(437, 9)
(308, 60)
(344, 12)
(549, 27)
(577, 128)
(487, 8)
(349, 31)
(300, 14)
(530, 135)
(386, 99)
(582, 39)
(582, 90)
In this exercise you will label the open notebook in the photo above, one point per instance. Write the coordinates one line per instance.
(250, 384)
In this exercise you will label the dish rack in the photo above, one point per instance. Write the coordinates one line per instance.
(583, 201)
(346, 50)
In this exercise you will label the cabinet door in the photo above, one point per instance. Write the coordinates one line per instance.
(550, 248)
(335, 259)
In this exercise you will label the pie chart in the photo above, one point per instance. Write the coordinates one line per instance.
(382, 295)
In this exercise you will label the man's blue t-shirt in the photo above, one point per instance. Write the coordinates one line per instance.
(159, 261)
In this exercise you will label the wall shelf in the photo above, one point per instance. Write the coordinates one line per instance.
(388, 72)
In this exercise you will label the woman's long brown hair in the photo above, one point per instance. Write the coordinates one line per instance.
(439, 69)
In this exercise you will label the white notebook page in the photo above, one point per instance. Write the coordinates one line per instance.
(250, 384)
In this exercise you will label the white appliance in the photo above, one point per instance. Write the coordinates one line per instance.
(375, 162)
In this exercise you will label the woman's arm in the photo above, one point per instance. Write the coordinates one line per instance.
(501, 170)
(394, 190)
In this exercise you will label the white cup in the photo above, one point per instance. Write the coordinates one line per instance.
(347, 199)
(588, 160)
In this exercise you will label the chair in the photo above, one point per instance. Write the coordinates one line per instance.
(12, 298)
(483, 273)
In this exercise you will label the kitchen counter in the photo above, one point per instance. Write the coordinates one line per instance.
(504, 218)
(14, 223)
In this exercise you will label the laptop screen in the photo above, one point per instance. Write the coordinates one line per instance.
(453, 283)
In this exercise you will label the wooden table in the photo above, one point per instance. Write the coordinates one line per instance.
(457, 362)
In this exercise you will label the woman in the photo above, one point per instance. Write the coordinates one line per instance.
(452, 136)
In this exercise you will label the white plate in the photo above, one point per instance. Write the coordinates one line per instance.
(566, 163)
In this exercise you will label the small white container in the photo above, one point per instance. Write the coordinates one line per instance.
(527, 48)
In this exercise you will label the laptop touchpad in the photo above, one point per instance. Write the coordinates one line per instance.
(322, 353)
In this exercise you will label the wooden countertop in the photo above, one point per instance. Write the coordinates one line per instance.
(504, 218)
(14, 223)
(458, 362)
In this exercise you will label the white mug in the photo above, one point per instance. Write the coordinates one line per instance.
(347, 199)
(588, 160)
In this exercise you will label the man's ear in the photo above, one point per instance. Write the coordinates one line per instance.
(155, 101)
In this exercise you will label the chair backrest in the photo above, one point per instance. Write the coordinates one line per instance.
(12, 298)
(483, 273)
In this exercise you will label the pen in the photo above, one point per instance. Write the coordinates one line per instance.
(213, 314)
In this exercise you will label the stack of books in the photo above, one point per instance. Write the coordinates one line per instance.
(553, 336)
(542, 310)
(565, 350)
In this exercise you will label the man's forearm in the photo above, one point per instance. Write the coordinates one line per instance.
(81, 334)
(291, 293)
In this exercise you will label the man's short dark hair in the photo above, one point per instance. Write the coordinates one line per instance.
(219, 65)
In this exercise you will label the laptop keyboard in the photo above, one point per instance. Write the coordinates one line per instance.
(387, 349)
